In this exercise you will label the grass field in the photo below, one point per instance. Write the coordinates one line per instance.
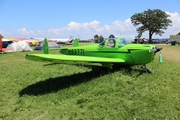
(32, 90)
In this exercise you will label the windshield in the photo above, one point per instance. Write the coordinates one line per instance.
(122, 42)
(119, 41)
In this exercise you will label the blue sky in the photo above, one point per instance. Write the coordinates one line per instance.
(79, 18)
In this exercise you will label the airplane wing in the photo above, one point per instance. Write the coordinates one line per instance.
(54, 58)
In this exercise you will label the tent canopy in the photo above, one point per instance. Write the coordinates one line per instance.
(20, 46)
(51, 43)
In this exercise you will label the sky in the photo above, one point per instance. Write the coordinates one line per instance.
(80, 18)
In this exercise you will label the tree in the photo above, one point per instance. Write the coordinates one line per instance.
(178, 33)
(154, 21)
(96, 37)
(101, 38)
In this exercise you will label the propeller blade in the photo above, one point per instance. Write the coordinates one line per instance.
(157, 49)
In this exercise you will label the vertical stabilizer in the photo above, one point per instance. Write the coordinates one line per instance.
(76, 42)
(45, 46)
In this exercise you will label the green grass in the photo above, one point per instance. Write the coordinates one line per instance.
(45, 91)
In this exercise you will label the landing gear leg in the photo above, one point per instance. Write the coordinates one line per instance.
(145, 68)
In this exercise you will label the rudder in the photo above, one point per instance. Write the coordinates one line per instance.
(45, 46)
(76, 42)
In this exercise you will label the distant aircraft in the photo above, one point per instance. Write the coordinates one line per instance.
(58, 40)
(64, 41)
(110, 53)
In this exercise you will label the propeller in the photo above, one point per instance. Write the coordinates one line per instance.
(156, 49)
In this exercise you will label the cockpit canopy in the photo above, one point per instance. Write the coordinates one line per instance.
(122, 42)
(113, 42)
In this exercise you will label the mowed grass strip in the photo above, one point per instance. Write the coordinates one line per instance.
(45, 91)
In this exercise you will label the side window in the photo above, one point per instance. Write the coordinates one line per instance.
(111, 43)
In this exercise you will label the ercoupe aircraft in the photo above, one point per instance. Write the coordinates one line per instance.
(110, 52)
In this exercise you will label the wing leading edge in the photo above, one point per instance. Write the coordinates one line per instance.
(53, 57)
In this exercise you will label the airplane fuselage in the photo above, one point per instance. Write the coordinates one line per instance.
(131, 53)
(109, 53)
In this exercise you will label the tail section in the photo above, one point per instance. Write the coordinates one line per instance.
(76, 43)
(71, 41)
(45, 46)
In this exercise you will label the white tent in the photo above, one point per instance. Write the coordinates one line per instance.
(20, 46)
(51, 43)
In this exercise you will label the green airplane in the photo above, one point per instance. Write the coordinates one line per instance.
(111, 52)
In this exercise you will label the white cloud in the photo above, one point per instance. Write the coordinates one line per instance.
(23, 31)
(88, 30)
(54, 31)
(5, 34)
(175, 17)
(1, 32)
